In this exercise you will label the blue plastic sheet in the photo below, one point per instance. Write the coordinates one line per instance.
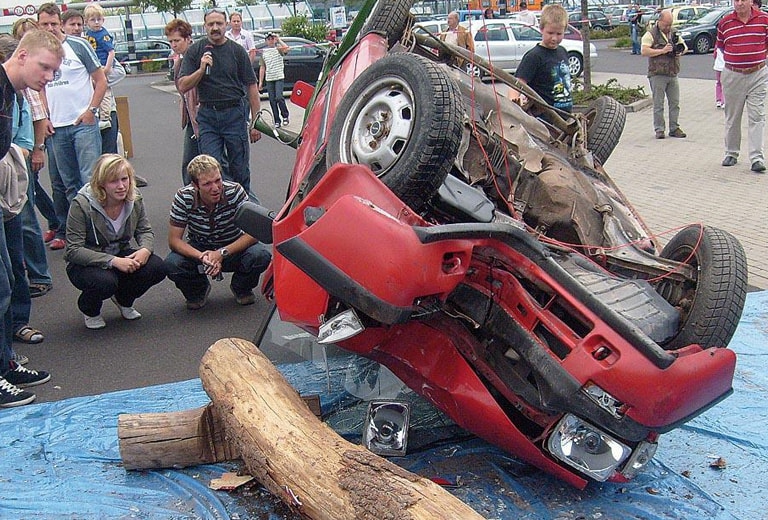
(61, 460)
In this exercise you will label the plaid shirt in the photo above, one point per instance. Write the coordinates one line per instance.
(36, 106)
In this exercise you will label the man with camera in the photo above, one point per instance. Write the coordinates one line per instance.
(663, 47)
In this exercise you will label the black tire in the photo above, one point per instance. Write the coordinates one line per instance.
(575, 64)
(711, 307)
(606, 118)
(402, 118)
(389, 17)
(702, 44)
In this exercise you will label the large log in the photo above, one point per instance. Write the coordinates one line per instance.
(302, 460)
(257, 414)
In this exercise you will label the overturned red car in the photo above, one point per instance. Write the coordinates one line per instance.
(485, 257)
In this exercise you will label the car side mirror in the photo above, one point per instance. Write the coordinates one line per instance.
(255, 220)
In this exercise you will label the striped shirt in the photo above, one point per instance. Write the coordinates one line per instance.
(208, 230)
(273, 63)
(743, 44)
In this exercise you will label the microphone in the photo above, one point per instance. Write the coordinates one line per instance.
(207, 49)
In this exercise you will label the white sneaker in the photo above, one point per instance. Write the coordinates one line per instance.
(94, 322)
(128, 313)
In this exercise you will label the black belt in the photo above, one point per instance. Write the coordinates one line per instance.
(221, 105)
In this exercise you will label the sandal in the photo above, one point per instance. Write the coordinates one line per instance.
(27, 334)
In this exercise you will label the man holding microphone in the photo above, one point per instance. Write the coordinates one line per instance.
(222, 72)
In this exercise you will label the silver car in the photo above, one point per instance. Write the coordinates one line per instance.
(504, 42)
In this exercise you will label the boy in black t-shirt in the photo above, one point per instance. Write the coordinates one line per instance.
(545, 67)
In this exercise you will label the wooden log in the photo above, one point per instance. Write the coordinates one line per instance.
(176, 439)
(302, 460)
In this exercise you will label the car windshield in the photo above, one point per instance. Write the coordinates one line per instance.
(710, 17)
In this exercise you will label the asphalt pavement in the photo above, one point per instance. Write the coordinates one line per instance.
(672, 182)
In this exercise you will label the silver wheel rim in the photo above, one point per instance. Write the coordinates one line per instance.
(379, 126)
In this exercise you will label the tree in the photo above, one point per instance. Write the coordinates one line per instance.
(585, 50)
(167, 6)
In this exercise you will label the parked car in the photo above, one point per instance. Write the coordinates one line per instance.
(683, 15)
(572, 33)
(598, 20)
(303, 62)
(700, 35)
(151, 55)
(504, 42)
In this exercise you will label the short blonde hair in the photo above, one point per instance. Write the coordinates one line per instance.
(107, 169)
(36, 40)
(554, 14)
(202, 164)
(93, 11)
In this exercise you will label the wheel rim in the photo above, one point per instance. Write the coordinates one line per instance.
(574, 65)
(702, 45)
(379, 126)
(473, 70)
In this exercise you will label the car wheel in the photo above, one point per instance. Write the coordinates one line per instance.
(702, 44)
(711, 306)
(575, 64)
(389, 17)
(402, 118)
(605, 124)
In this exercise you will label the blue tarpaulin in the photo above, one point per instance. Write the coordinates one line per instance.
(61, 460)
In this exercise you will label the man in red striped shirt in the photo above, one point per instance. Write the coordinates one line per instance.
(742, 37)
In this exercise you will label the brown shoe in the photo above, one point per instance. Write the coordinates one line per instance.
(677, 133)
(660, 134)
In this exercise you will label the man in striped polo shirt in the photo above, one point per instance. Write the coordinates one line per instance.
(742, 37)
(206, 208)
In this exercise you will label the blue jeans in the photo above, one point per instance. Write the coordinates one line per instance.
(21, 303)
(34, 247)
(191, 150)
(75, 149)
(277, 100)
(635, 39)
(43, 202)
(246, 267)
(6, 317)
(223, 131)
(58, 191)
(109, 136)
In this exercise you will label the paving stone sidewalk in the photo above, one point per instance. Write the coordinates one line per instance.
(674, 182)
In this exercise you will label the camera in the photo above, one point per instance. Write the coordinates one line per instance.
(677, 48)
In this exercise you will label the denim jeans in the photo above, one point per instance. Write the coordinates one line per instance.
(191, 150)
(109, 136)
(246, 267)
(277, 100)
(21, 302)
(58, 191)
(76, 148)
(99, 284)
(223, 131)
(6, 317)
(34, 247)
(43, 202)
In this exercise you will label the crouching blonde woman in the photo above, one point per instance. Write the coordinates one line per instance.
(105, 216)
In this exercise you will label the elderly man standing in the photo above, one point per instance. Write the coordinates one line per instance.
(742, 37)
(663, 67)
(457, 35)
(222, 72)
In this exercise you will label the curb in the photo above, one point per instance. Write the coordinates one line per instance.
(639, 105)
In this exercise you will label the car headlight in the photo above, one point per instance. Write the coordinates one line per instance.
(586, 448)
(642, 455)
(685, 34)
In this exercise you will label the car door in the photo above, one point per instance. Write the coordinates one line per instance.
(526, 38)
(493, 42)
(303, 62)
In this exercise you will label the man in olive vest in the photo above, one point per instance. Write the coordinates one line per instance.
(663, 48)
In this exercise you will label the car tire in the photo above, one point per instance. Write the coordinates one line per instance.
(389, 17)
(605, 124)
(702, 44)
(711, 308)
(575, 64)
(402, 117)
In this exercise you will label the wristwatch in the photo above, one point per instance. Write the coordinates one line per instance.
(94, 111)
(224, 252)
(40, 147)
